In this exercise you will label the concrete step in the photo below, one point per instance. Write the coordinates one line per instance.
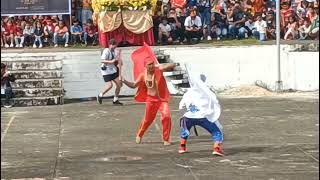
(38, 92)
(44, 74)
(34, 65)
(179, 81)
(173, 73)
(26, 57)
(37, 83)
(36, 101)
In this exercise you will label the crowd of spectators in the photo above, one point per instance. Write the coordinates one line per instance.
(188, 22)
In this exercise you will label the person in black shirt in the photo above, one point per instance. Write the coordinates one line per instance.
(236, 28)
(38, 34)
(6, 90)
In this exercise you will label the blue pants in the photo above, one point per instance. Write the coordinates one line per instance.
(212, 128)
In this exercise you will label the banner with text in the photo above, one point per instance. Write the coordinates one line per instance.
(35, 7)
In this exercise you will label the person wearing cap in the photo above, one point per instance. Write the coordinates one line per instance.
(202, 109)
(153, 90)
(193, 26)
(110, 71)
(76, 32)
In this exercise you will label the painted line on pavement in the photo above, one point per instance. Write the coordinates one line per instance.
(7, 128)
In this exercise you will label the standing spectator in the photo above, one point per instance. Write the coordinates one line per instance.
(9, 32)
(236, 28)
(76, 32)
(164, 32)
(204, 7)
(193, 27)
(261, 27)
(28, 34)
(292, 28)
(258, 6)
(61, 34)
(79, 11)
(19, 36)
(38, 34)
(90, 33)
(285, 13)
(86, 11)
(48, 31)
(304, 30)
(6, 90)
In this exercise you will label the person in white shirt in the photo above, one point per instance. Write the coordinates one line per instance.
(193, 26)
(110, 71)
(164, 32)
(249, 25)
(203, 109)
(261, 28)
(305, 29)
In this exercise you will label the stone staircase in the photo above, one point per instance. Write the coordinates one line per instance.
(39, 79)
(177, 80)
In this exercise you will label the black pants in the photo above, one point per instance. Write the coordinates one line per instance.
(193, 34)
(76, 38)
(8, 95)
(178, 34)
(28, 40)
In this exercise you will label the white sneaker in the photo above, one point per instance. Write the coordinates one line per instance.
(11, 45)
(66, 45)
(56, 45)
(21, 45)
(209, 38)
(40, 46)
(201, 38)
(218, 38)
(17, 46)
(34, 46)
(6, 45)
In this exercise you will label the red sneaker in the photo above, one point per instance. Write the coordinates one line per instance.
(183, 147)
(217, 150)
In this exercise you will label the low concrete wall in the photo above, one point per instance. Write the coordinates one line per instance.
(224, 67)
(228, 67)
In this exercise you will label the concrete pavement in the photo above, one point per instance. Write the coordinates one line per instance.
(265, 138)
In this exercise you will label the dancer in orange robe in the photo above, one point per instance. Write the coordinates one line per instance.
(152, 89)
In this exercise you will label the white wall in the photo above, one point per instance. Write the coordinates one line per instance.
(224, 67)
(234, 66)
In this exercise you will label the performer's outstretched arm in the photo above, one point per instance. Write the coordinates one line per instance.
(167, 66)
(133, 84)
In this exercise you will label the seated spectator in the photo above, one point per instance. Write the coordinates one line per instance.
(6, 90)
(314, 34)
(176, 22)
(311, 14)
(9, 32)
(2, 34)
(302, 9)
(236, 28)
(90, 33)
(38, 35)
(193, 27)
(61, 34)
(48, 30)
(76, 32)
(19, 37)
(28, 34)
(292, 29)
(220, 20)
(261, 28)
(304, 30)
(250, 26)
(271, 25)
(164, 32)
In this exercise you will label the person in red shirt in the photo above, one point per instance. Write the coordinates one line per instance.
(90, 33)
(61, 33)
(19, 35)
(9, 32)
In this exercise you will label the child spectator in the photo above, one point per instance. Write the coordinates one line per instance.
(48, 30)
(90, 33)
(9, 32)
(19, 36)
(38, 34)
(76, 32)
(61, 34)
(292, 28)
(261, 27)
(164, 32)
(28, 34)
(304, 30)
